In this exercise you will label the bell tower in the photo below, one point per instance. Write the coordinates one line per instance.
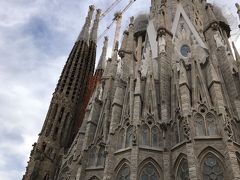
(56, 134)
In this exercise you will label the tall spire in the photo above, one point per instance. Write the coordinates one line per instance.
(101, 63)
(84, 35)
(124, 44)
(114, 63)
(130, 44)
(93, 35)
(127, 60)
(118, 19)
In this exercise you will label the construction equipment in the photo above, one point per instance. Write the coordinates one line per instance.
(110, 8)
(118, 19)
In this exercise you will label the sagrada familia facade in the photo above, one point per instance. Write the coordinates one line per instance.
(165, 106)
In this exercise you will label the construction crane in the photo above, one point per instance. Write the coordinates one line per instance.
(118, 19)
(110, 8)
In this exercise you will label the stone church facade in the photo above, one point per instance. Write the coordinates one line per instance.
(165, 106)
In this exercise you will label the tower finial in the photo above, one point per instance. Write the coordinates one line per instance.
(101, 63)
(84, 35)
(238, 11)
(124, 44)
(93, 35)
(131, 20)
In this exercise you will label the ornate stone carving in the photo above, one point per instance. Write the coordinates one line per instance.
(228, 128)
(186, 128)
(100, 93)
(218, 39)
(134, 136)
(162, 44)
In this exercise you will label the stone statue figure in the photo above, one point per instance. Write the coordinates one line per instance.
(100, 93)
(119, 67)
(238, 7)
(238, 11)
(219, 40)
(162, 44)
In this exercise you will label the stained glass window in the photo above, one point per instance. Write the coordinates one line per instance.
(183, 171)
(200, 127)
(212, 170)
(92, 157)
(101, 158)
(124, 173)
(149, 173)
(176, 134)
(211, 124)
(94, 178)
(185, 49)
(129, 137)
(121, 139)
(155, 136)
(145, 135)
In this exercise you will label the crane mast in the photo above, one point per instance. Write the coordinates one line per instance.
(110, 8)
(118, 20)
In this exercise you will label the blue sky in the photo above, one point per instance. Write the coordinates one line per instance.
(36, 37)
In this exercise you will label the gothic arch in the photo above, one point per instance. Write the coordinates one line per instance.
(211, 124)
(181, 167)
(179, 159)
(205, 121)
(212, 150)
(121, 163)
(145, 132)
(211, 166)
(150, 161)
(92, 156)
(129, 136)
(151, 133)
(123, 170)
(211, 163)
(199, 127)
(94, 178)
(101, 156)
(121, 139)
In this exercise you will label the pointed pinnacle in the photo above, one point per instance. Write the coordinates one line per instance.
(93, 35)
(84, 35)
(101, 63)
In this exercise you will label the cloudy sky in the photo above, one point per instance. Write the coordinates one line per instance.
(36, 37)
